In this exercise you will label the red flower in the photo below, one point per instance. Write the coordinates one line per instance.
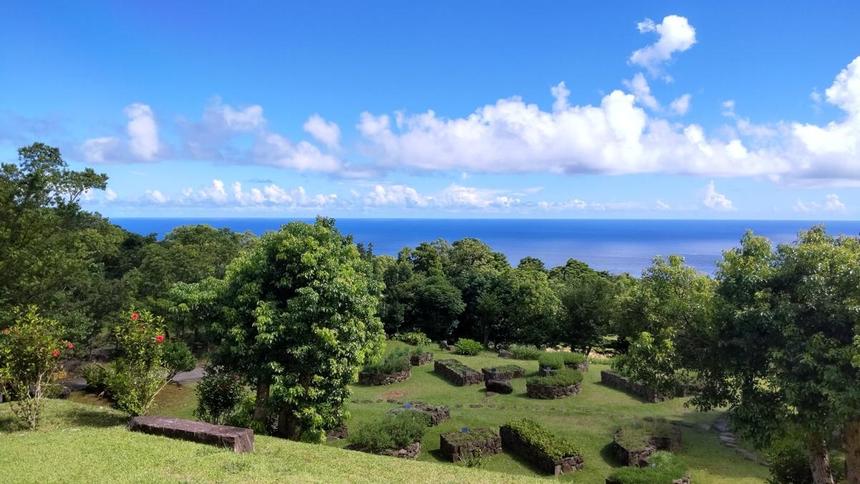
(159, 338)
(55, 353)
(70, 345)
(135, 315)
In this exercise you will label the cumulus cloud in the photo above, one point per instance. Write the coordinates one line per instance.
(326, 132)
(141, 142)
(156, 196)
(715, 200)
(680, 105)
(110, 195)
(831, 204)
(220, 194)
(640, 88)
(675, 34)
(453, 196)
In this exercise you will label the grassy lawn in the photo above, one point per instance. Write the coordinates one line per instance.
(588, 419)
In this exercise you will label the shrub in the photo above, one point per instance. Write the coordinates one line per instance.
(789, 463)
(419, 350)
(219, 393)
(551, 360)
(562, 378)
(393, 362)
(97, 376)
(641, 434)
(572, 360)
(393, 431)
(466, 346)
(177, 357)
(525, 352)
(30, 354)
(664, 467)
(541, 439)
(414, 338)
(139, 371)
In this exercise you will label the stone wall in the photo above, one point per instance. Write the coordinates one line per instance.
(457, 373)
(459, 445)
(236, 439)
(437, 413)
(503, 373)
(618, 382)
(365, 378)
(546, 392)
(512, 442)
(421, 359)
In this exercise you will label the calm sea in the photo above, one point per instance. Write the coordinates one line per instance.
(613, 245)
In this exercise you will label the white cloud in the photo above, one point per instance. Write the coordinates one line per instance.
(453, 196)
(640, 88)
(326, 132)
(110, 195)
(395, 195)
(142, 131)
(728, 108)
(661, 205)
(217, 194)
(675, 35)
(276, 150)
(831, 204)
(156, 197)
(680, 105)
(715, 200)
(98, 150)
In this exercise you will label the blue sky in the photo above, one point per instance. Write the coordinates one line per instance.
(444, 109)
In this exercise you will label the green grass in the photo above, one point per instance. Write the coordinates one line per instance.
(587, 419)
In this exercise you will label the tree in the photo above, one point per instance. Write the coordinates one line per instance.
(782, 352)
(433, 305)
(300, 321)
(521, 306)
(588, 302)
(397, 276)
(472, 268)
(53, 254)
(140, 371)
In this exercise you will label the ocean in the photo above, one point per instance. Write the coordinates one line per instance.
(612, 245)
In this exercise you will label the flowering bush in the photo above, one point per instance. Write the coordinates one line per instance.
(139, 372)
(30, 353)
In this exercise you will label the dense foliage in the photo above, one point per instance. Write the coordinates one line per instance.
(219, 394)
(393, 362)
(525, 352)
(468, 347)
(139, 371)
(664, 468)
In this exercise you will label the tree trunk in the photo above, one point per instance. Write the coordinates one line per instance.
(851, 438)
(819, 461)
(261, 404)
(287, 427)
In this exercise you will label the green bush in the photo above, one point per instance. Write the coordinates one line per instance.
(140, 373)
(542, 439)
(562, 378)
(177, 357)
(219, 393)
(393, 431)
(97, 376)
(572, 360)
(414, 338)
(551, 360)
(638, 434)
(664, 468)
(393, 362)
(525, 352)
(419, 350)
(789, 463)
(469, 347)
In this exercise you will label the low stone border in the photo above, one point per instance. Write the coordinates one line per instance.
(235, 438)
(619, 382)
(505, 372)
(376, 379)
(411, 451)
(437, 413)
(638, 457)
(456, 372)
(460, 445)
(512, 442)
(421, 359)
(547, 392)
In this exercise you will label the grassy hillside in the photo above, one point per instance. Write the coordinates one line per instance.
(588, 419)
(83, 443)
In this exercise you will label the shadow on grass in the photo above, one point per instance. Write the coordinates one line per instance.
(439, 456)
(96, 418)
(609, 456)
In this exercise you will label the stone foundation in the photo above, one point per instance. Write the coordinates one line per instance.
(503, 373)
(437, 413)
(459, 445)
(421, 359)
(547, 392)
(499, 386)
(618, 382)
(409, 452)
(377, 379)
(512, 443)
(456, 372)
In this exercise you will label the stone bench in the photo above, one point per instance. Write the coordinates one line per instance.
(236, 438)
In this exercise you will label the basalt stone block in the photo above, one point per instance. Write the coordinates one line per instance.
(466, 443)
(504, 372)
(513, 442)
(499, 386)
(456, 372)
(421, 359)
(436, 413)
(376, 379)
(547, 392)
(236, 439)
(619, 382)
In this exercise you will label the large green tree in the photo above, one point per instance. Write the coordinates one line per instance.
(588, 306)
(521, 306)
(782, 352)
(300, 320)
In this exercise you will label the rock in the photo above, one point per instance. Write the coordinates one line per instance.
(500, 386)
(503, 353)
(721, 425)
(235, 438)
(437, 413)
(409, 452)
